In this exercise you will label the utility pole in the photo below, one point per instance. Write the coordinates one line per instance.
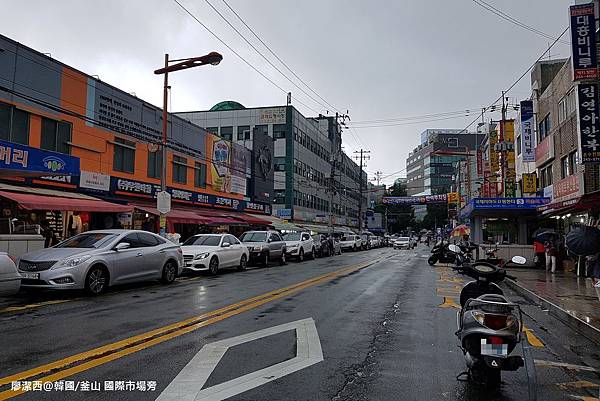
(363, 156)
(335, 152)
(502, 152)
(378, 175)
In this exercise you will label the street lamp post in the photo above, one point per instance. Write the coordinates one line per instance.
(212, 58)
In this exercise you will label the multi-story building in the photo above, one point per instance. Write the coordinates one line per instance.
(304, 150)
(428, 133)
(432, 167)
(76, 139)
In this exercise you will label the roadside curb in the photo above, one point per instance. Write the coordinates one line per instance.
(587, 330)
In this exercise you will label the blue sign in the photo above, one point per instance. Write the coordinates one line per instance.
(284, 213)
(583, 42)
(27, 161)
(509, 203)
(124, 186)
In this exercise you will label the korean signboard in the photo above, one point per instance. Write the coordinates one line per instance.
(527, 133)
(494, 159)
(453, 197)
(583, 42)
(589, 127)
(25, 160)
(566, 188)
(414, 200)
(274, 115)
(479, 162)
(509, 203)
(529, 183)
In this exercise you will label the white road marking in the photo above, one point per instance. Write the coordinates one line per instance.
(187, 385)
(569, 366)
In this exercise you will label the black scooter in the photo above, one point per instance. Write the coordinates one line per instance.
(441, 253)
(489, 326)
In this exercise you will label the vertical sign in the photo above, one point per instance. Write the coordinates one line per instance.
(583, 42)
(587, 101)
(529, 183)
(527, 138)
(479, 162)
(494, 162)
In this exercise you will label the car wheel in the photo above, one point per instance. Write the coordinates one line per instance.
(243, 263)
(312, 253)
(266, 260)
(169, 272)
(96, 280)
(213, 266)
(301, 255)
(354, 248)
(282, 260)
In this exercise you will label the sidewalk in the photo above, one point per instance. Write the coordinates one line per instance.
(570, 298)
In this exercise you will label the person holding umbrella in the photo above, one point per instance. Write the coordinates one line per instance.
(592, 264)
(585, 241)
(550, 252)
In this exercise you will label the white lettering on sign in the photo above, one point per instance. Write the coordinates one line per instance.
(134, 186)
(275, 115)
(179, 194)
(93, 180)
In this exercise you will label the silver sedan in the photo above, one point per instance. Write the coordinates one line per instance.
(95, 260)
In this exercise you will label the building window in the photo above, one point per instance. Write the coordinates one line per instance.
(518, 145)
(564, 167)
(544, 128)
(227, 133)
(573, 156)
(562, 109)
(14, 124)
(199, 175)
(213, 130)
(453, 142)
(279, 196)
(56, 135)
(124, 155)
(261, 129)
(155, 164)
(279, 164)
(279, 131)
(243, 132)
(179, 170)
(546, 176)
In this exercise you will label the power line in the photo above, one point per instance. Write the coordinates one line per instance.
(514, 21)
(277, 57)
(238, 55)
(419, 121)
(418, 117)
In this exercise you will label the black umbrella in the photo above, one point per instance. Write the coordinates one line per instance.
(545, 236)
(584, 241)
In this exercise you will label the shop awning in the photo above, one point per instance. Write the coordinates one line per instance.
(219, 218)
(251, 220)
(43, 202)
(278, 223)
(175, 216)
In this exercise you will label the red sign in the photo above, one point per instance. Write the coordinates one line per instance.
(565, 187)
(544, 151)
(479, 162)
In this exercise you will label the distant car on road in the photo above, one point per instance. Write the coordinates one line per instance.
(402, 242)
(299, 244)
(95, 260)
(10, 279)
(351, 242)
(265, 246)
(211, 252)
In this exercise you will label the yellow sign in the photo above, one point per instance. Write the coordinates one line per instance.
(529, 183)
(509, 131)
(453, 197)
(494, 162)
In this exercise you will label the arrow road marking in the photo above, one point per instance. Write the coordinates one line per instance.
(540, 362)
(187, 385)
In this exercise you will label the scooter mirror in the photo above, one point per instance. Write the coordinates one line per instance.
(454, 248)
(520, 260)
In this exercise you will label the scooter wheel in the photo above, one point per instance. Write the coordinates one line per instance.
(432, 260)
(493, 378)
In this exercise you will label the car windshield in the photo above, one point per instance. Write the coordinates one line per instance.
(292, 237)
(88, 240)
(253, 237)
(206, 240)
(403, 239)
(348, 238)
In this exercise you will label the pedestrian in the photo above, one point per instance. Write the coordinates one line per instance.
(592, 264)
(48, 233)
(550, 253)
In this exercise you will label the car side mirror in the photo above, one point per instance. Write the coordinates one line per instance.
(122, 246)
(225, 245)
(520, 260)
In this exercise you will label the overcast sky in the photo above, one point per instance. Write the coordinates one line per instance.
(379, 59)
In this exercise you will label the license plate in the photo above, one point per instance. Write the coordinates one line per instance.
(34, 276)
(493, 349)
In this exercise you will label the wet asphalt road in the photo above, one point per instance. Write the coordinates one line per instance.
(386, 332)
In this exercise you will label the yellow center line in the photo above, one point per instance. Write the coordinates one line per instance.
(36, 305)
(133, 344)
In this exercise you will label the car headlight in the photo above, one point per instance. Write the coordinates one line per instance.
(258, 248)
(72, 262)
(201, 256)
(293, 246)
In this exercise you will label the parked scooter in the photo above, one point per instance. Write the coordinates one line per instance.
(441, 253)
(489, 326)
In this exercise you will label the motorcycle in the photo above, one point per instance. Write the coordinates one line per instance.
(489, 325)
(441, 253)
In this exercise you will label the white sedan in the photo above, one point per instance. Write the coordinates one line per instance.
(402, 242)
(211, 252)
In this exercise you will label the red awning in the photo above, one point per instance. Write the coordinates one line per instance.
(43, 202)
(254, 221)
(219, 218)
(175, 216)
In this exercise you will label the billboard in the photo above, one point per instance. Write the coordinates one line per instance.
(240, 167)
(589, 129)
(263, 172)
(527, 133)
(583, 42)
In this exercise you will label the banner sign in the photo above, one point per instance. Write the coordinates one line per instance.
(566, 188)
(122, 186)
(527, 136)
(509, 203)
(479, 162)
(494, 157)
(453, 197)
(414, 200)
(583, 42)
(529, 183)
(589, 129)
(24, 160)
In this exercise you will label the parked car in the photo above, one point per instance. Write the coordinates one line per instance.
(95, 260)
(10, 279)
(323, 245)
(402, 242)
(211, 252)
(350, 242)
(265, 246)
(299, 245)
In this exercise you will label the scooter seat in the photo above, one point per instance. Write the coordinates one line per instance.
(493, 298)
